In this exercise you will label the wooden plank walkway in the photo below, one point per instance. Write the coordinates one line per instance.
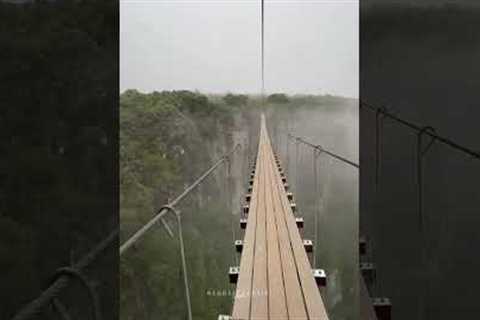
(275, 280)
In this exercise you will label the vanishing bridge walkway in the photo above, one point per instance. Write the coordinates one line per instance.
(275, 279)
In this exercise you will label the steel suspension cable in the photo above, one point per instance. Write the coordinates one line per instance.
(418, 128)
(421, 131)
(36, 306)
(229, 206)
(178, 216)
(161, 212)
(297, 145)
(425, 255)
(263, 52)
(320, 148)
(377, 285)
(378, 145)
(61, 309)
(287, 143)
(316, 205)
(170, 208)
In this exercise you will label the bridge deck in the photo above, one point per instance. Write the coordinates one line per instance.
(275, 280)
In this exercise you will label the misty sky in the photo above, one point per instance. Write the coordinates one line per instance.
(214, 46)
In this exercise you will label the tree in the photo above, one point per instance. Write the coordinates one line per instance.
(278, 98)
(235, 99)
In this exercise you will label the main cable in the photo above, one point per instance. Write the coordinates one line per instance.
(161, 212)
(263, 53)
(417, 129)
(323, 150)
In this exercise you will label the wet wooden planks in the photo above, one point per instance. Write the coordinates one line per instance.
(275, 280)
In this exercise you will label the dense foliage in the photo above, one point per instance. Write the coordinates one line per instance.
(235, 99)
(277, 98)
(166, 140)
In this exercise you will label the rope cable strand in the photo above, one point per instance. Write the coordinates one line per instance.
(378, 144)
(316, 205)
(62, 281)
(229, 206)
(161, 212)
(263, 52)
(35, 307)
(61, 310)
(421, 151)
(169, 208)
(417, 128)
(378, 285)
(323, 150)
(287, 142)
(77, 274)
(425, 248)
(297, 145)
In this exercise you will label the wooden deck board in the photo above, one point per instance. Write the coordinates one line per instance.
(275, 280)
(241, 308)
(293, 290)
(277, 301)
(259, 295)
(313, 301)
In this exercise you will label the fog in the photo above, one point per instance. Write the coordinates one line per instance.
(335, 201)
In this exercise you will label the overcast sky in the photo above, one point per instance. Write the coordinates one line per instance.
(214, 46)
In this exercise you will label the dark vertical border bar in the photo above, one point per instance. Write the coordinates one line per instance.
(59, 92)
(418, 198)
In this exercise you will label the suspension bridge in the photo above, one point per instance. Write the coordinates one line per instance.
(275, 279)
